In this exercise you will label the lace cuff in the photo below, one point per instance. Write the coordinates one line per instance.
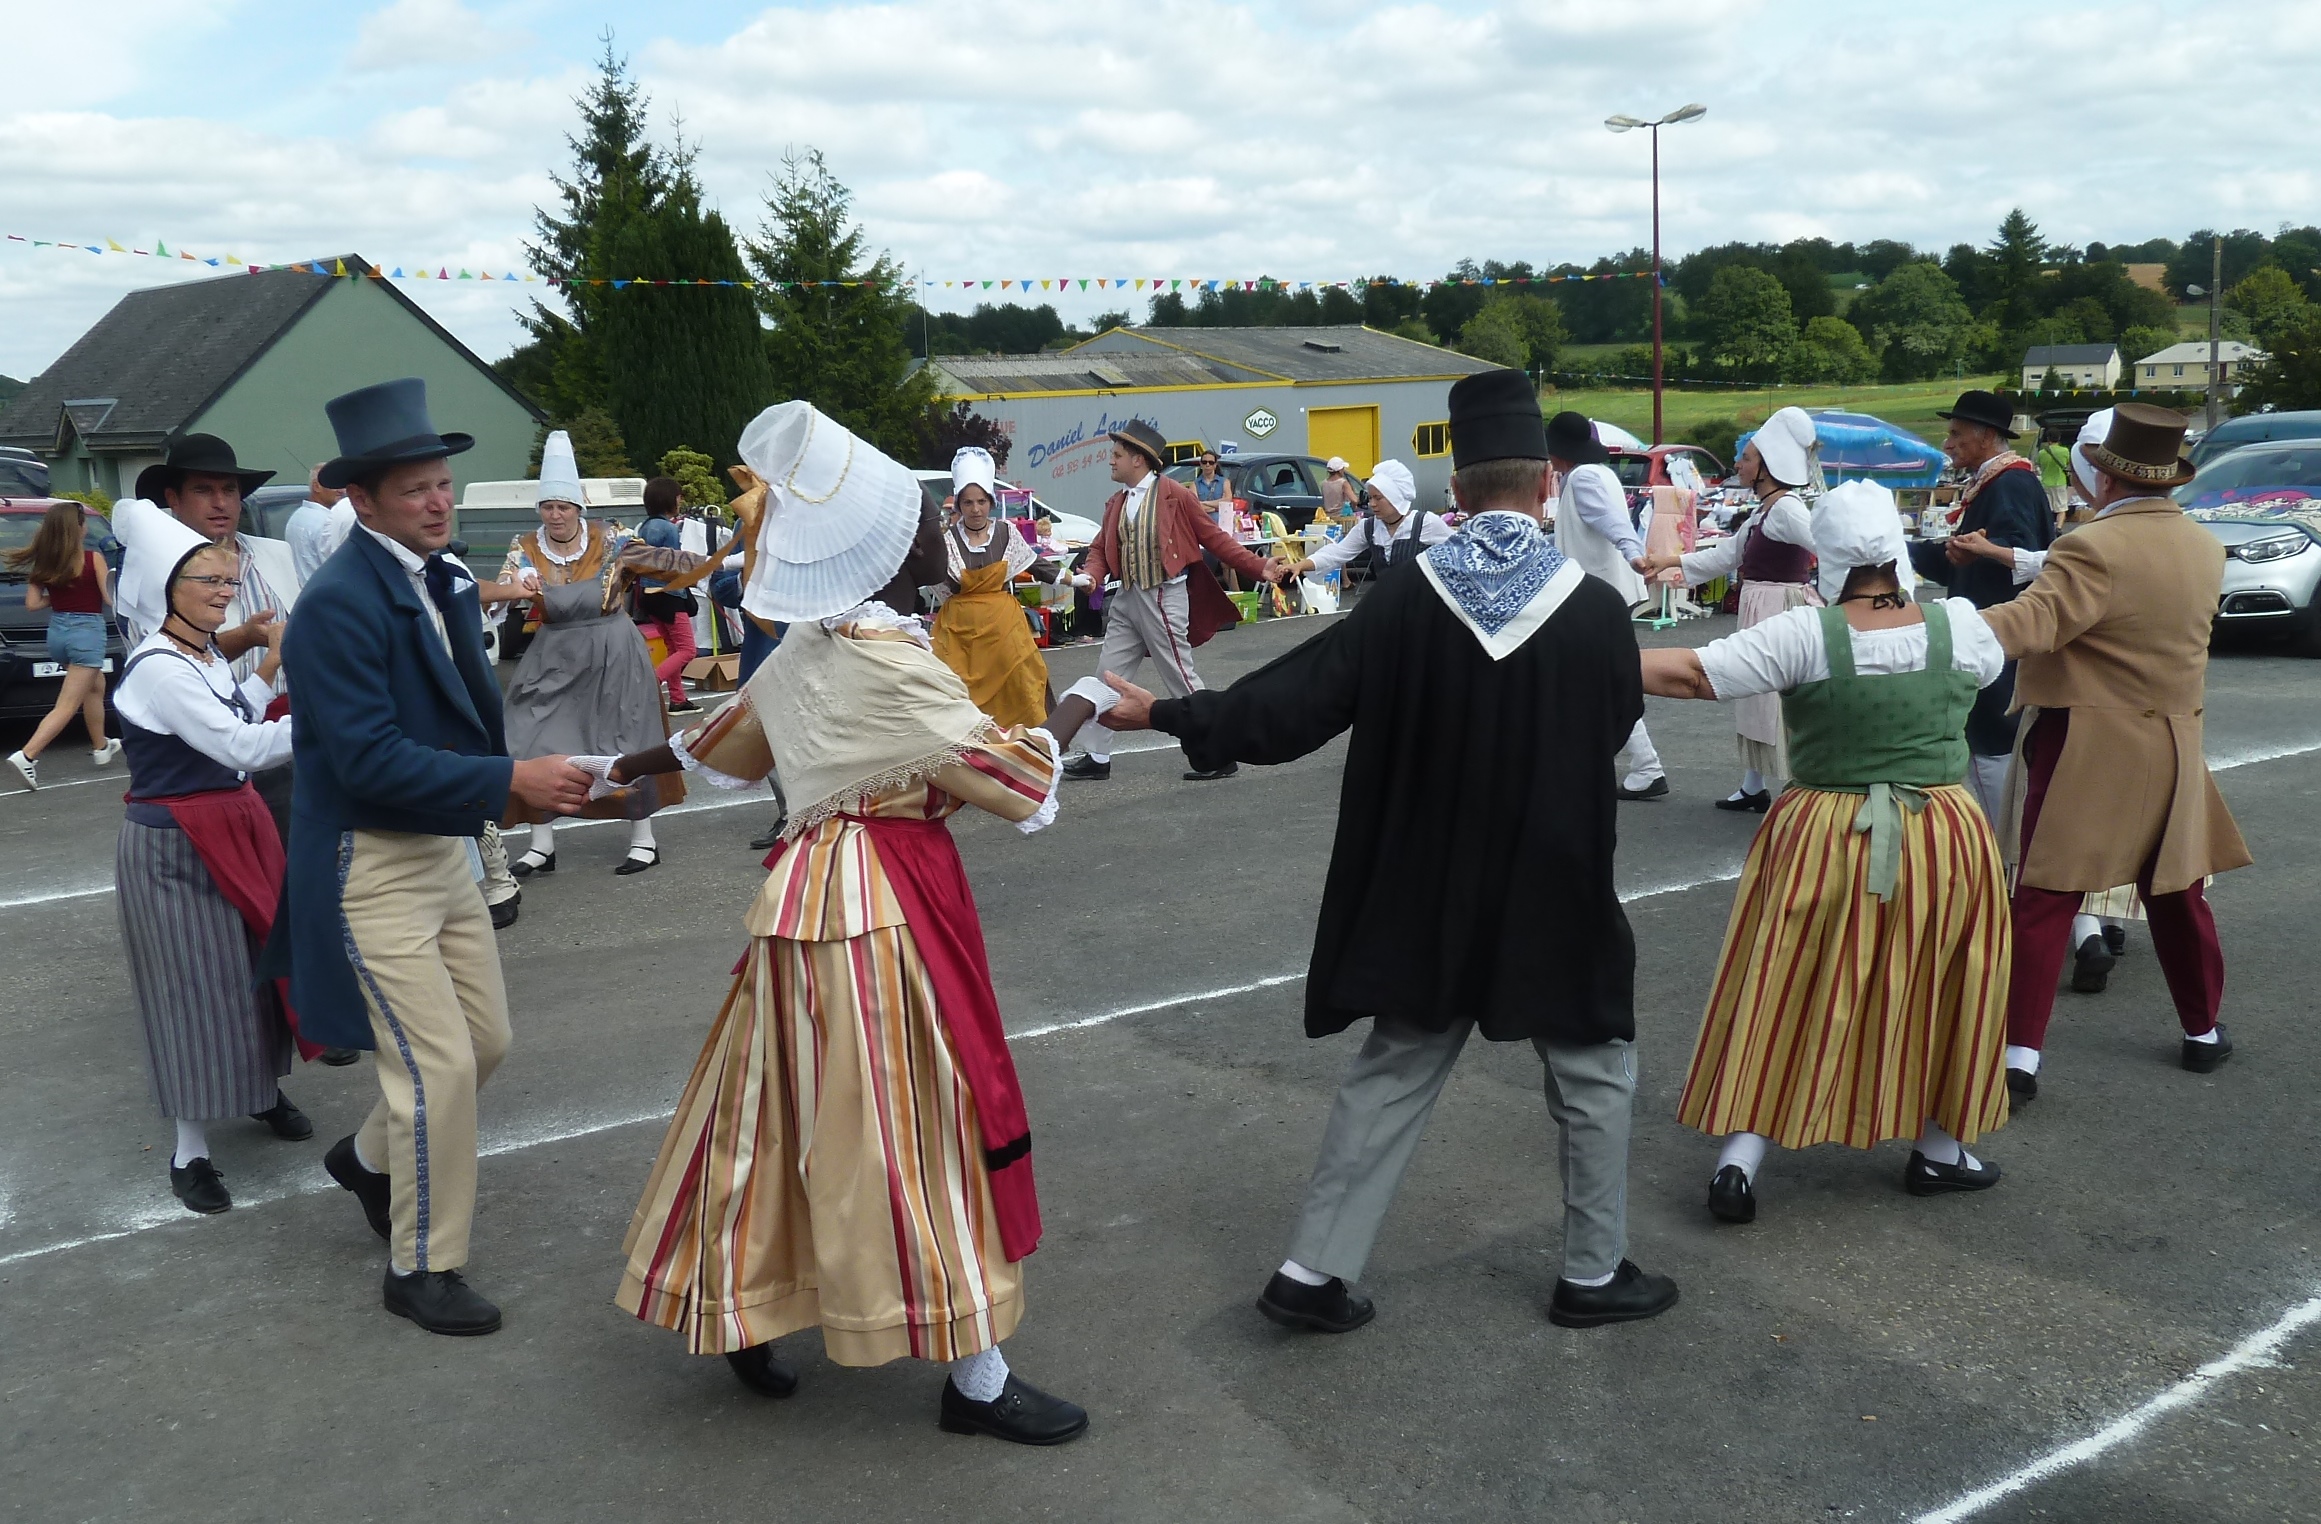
(1045, 815)
(703, 770)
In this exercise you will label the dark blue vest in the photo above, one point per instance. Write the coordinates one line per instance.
(161, 766)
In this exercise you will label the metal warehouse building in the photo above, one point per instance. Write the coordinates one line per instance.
(1350, 391)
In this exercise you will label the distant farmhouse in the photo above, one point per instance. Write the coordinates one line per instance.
(2184, 367)
(252, 359)
(2094, 367)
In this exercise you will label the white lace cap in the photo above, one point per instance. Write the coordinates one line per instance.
(155, 541)
(1786, 442)
(1857, 524)
(839, 515)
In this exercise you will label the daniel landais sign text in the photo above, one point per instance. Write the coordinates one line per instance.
(1261, 423)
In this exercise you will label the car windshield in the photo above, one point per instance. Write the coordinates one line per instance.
(2254, 472)
(1633, 470)
(22, 478)
(17, 528)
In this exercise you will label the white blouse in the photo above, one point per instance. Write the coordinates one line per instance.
(1787, 520)
(1786, 651)
(182, 696)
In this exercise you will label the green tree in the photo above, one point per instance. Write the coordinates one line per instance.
(1495, 334)
(1916, 321)
(1830, 350)
(597, 446)
(2270, 300)
(2017, 255)
(1745, 321)
(844, 348)
(698, 484)
(2290, 377)
(2139, 342)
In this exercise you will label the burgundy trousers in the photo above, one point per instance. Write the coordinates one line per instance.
(2183, 929)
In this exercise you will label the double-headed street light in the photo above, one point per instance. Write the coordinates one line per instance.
(1622, 124)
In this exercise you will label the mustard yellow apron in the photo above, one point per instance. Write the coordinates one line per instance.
(983, 636)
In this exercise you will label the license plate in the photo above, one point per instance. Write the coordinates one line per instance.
(56, 668)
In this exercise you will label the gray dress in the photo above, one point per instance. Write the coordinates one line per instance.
(585, 686)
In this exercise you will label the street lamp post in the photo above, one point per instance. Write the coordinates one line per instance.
(1622, 124)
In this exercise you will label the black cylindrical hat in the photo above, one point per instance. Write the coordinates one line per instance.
(1495, 416)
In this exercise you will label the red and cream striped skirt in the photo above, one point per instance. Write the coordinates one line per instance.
(825, 1167)
(1840, 1018)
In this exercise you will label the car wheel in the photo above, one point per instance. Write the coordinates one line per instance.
(2305, 633)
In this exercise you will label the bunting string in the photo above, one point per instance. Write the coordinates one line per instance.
(1154, 284)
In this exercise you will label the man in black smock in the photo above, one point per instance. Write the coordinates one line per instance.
(1488, 683)
(2005, 501)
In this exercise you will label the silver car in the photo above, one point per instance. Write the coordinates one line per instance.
(2263, 501)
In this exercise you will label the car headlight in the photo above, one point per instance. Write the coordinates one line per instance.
(2273, 547)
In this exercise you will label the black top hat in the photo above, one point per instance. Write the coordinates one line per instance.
(1495, 416)
(385, 425)
(1985, 408)
(188, 453)
(2144, 445)
(1144, 439)
(1571, 437)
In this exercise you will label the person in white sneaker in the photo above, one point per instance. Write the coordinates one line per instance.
(61, 574)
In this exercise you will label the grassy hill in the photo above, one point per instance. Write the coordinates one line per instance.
(1911, 405)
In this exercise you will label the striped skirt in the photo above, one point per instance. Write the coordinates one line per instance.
(215, 1045)
(1840, 1018)
(825, 1167)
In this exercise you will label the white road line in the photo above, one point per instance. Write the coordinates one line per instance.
(2262, 754)
(50, 897)
(2257, 1350)
(1150, 1006)
(50, 788)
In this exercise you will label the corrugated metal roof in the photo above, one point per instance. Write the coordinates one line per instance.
(1350, 352)
(979, 375)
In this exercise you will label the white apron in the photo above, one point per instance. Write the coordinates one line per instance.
(1597, 556)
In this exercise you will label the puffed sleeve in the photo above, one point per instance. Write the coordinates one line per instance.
(1012, 773)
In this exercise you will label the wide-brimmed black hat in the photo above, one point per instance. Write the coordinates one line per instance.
(1986, 408)
(1571, 437)
(1143, 438)
(187, 453)
(1495, 416)
(385, 425)
(2144, 445)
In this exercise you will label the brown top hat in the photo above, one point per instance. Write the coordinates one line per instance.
(1144, 439)
(2145, 446)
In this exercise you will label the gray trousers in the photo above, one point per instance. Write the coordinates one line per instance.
(1382, 1107)
(1139, 623)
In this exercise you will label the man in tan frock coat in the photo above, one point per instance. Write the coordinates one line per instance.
(2109, 784)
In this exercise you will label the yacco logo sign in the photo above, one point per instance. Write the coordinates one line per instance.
(1261, 422)
(1082, 447)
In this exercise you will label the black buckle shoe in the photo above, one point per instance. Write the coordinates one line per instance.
(2116, 938)
(2022, 1085)
(2091, 966)
(1629, 1296)
(200, 1187)
(339, 1058)
(1731, 1197)
(370, 1187)
(635, 864)
(1656, 789)
(440, 1301)
(1087, 769)
(286, 1120)
(2208, 1057)
(1021, 1413)
(1332, 1307)
(1212, 774)
(1758, 803)
(505, 912)
(1923, 1177)
(532, 862)
(771, 837)
(761, 1372)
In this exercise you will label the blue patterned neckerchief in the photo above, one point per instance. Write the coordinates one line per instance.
(1494, 566)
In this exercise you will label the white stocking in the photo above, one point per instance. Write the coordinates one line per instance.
(1942, 1148)
(544, 837)
(982, 1376)
(1747, 1149)
(641, 835)
(2084, 926)
(1752, 782)
(193, 1142)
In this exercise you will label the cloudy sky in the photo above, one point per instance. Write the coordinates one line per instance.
(1165, 137)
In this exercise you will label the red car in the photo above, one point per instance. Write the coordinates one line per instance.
(1648, 467)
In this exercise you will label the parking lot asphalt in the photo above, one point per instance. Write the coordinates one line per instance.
(1856, 1353)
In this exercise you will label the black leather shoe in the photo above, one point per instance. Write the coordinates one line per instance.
(440, 1301)
(635, 864)
(528, 864)
(339, 1058)
(1211, 774)
(771, 837)
(200, 1187)
(2091, 966)
(1087, 769)
(761, 1372)
(2115, 938)
(1630, 1295)
(371, 1187)
(286, 1120)
(2022, 1085)
(1758, 803)
(1656, 789)
(1923, 1177)
(1731, 1197)
(1331, 1307)
(1021, 1413)
(505, 912)
(2208, 1057)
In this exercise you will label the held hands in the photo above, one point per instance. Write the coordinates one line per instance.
(1962, 548)
(599, 770)
(551, 785)
(1271, 572)
(1134, 711)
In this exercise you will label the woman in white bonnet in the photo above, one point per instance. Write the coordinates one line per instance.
(1862, 991)
(981, 632)
(1771, 553)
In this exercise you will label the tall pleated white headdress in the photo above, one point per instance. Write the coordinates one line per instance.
(839, 515)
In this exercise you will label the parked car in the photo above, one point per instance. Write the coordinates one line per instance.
(29, 681)
(1290, 485)
(1648, 466)
(22, 473)
(2250, 428)
(1071, 528)
(2263, 501)
(267, 511)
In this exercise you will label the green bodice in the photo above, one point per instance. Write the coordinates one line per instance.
(1848, 731)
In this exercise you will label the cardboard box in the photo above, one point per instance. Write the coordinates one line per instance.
(714, 674)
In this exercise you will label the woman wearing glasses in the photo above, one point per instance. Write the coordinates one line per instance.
(199, 866)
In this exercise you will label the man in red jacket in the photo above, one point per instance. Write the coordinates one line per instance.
(1168, 600)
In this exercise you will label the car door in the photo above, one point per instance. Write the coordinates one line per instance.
(1287, 487)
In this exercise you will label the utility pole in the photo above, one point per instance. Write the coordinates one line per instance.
(2215, 295)
(1623, 124)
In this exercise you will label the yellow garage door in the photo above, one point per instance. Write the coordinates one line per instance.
(1348, 431)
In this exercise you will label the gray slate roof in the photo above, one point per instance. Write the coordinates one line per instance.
(1350, 352)
(160, 355)
(2069, 354)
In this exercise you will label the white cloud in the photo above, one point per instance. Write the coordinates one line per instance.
(425, 34)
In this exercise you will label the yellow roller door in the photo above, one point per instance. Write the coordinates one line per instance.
(1348, 431)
